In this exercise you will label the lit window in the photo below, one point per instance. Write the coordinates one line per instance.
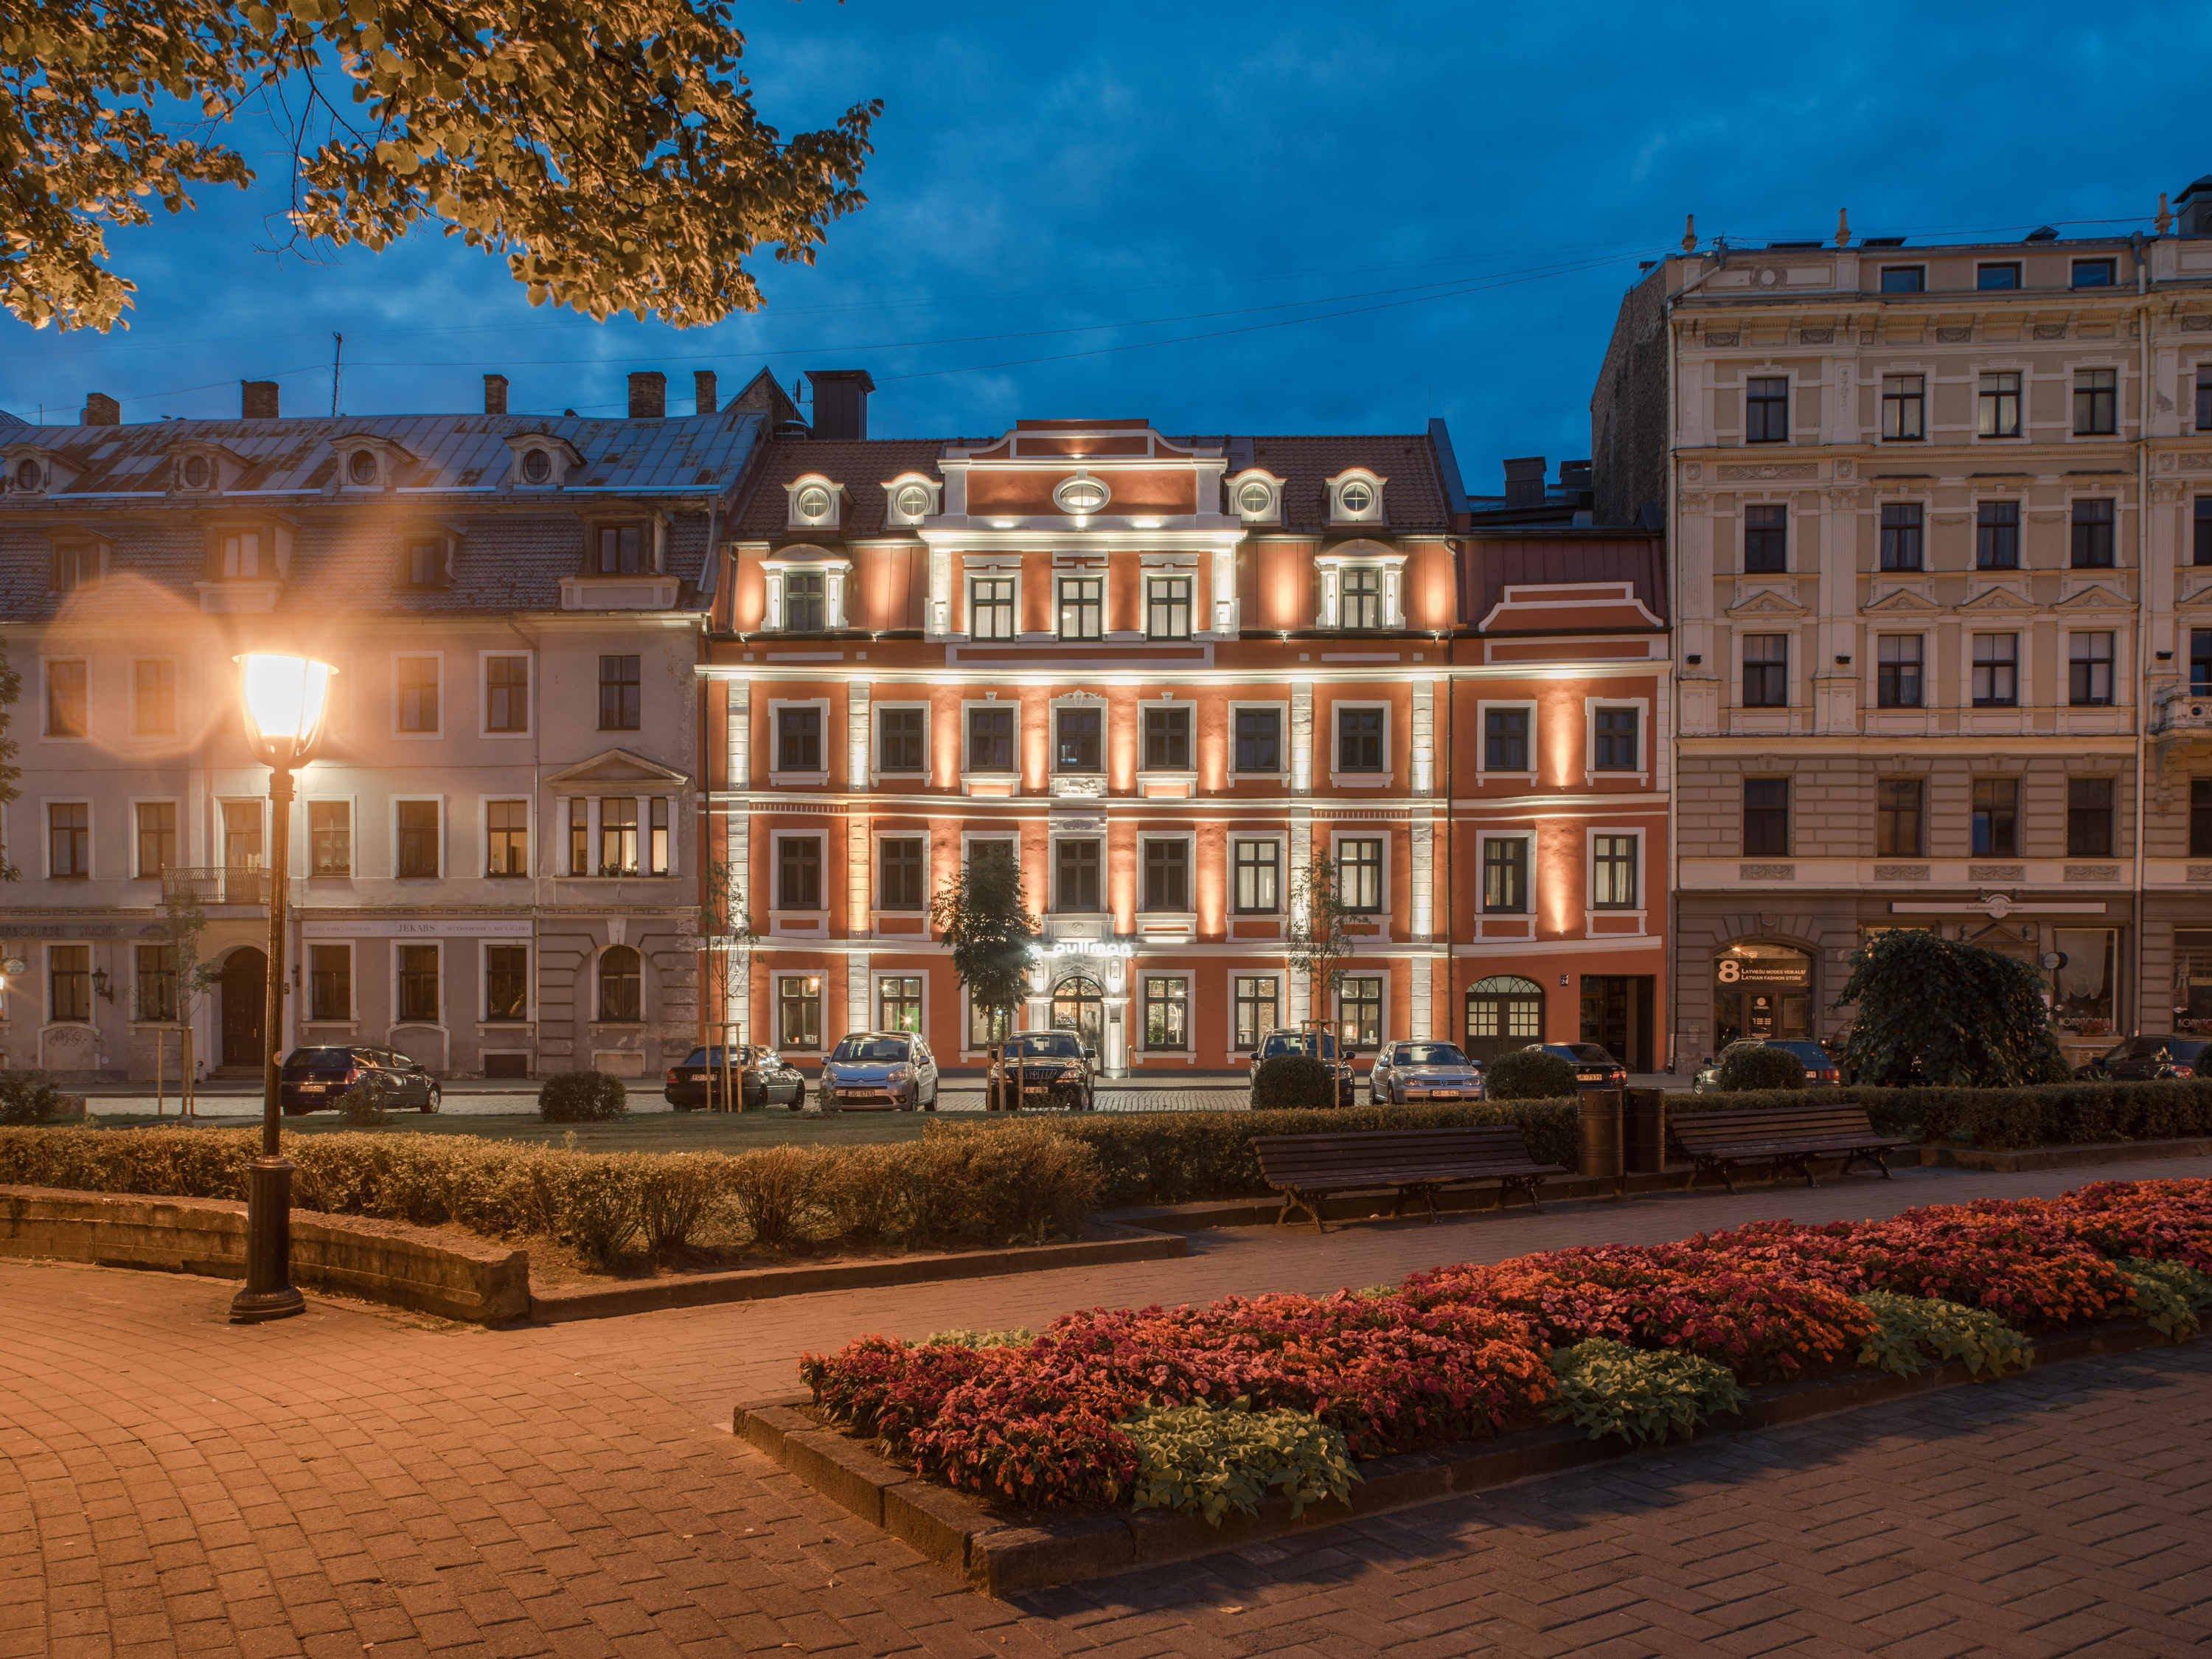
(1167, 608)
(506, 983)
(1613, 872)
(991, 608)
(1359, 1010)
(1359, 873)
(1259, 1000)
(1259, 877)
(1080, 495)
(1082, 607)
(1167, 1013)
(1360, 596)
(799, 1012)
(506, 838)
(898, 1003)
(912, 501)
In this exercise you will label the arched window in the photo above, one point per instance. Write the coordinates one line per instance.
(621, 985)
(1503, 1013)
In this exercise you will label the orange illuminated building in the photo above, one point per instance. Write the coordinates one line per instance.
(1161, 674)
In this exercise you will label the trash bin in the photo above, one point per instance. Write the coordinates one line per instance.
(1645, 1131)
(1599, 1134)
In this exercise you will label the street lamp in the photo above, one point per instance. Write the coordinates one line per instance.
(284, 697)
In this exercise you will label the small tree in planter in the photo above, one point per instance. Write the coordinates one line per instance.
(726, 929)
(1319, 937)
(990, 932)
(178, 930)
(1935, 1011)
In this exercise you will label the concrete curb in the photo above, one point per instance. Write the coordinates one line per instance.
(2085, 1156)
(1003, 1551)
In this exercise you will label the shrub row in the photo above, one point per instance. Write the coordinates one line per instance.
(2045, 1115)
(1461, 1352)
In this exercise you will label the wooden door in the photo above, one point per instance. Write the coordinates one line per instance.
(245, 985)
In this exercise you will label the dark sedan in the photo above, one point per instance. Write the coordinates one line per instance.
(2144, 1059)
(769, 1081)
(316, 1080)
(1822, 1068)
(1594, 1066)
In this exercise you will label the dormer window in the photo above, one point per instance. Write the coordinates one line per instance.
(912, 499)
(197, 473)
(806, 592)
(1356, 497)
(1081, 495)
(30, 475)
(361, 469)
(536, 467)
(426, 559)
(241, 555)
(815, 503)
(78, 562)
(617, 549)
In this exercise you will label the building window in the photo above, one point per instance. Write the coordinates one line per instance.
(2200, 543)
(1505, 875)
(1996, 824)
(2094, 273)
(898, 1003)
(1359, 874)
(68, 984)
(1359, 1011)
(241, 834)
(621, 694)
(805, 601)
(1904, 408)
(418, 983)
(1359, 597)
(1899, 819)
(239, 556)
(1620, 745)
(1083, 607)
(618, 550)
(991, 607)
(991, 739)
(157, 836)
(1996, 536)
(580, 837)
(1996, 670)
(2088, 818)
(1167, 738)
(2093, 534)
(1165, 867)
(2200, 817)
(1354, 499)
(618, 835)
(1903, 525)
(1259, 734)
(330, 981)
(1075, 886)
(506, 837)
(1897, 673)
(1613, 872)
(65, 698)
(1167, 1013)
(901, 862)
(2089, 670)
(1904, 279)
(154, 696)
(506, 983)
(1767, 670)
(622, 986)
(1766, 409)
(902, 740)
(1505, 740)
(1258, 870)
(799, 1012)
(799, 872)
(1997, 277)
(156, 982)
(329, 838)
(1167, 608)
(1998, 409)
(1078, 742)
(1766, 817)
(798, 738)
(2200, 662)
(69, 840)
(2204, 398)
(1258, 1000)
(1503, 1012)
(661, 841)
(506, 694)
(76, 565)
(418, 694)
(1765, 539)
(425, 565)
(416, 824)
(2096, 400)
(1360, 740)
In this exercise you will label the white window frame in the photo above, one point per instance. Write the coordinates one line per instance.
(1339, 513)
(1872, 691)
(894, 514)
(91, 1022)
(1059, 706)
(1188, 839)
(46, 699)
(1282, 734)
(391, 815)
(1483, 771)
(1096, 833)
(876, 978)
(836, 574)
(2121, 694)
(484, 948)
(1282, 845)
(352, 1015)
(992, 570)
(1374, 971)
(1529, 911)
(969, 837)
(1336, 839)
(131, 861)
(875, 869)
(1270, 514)
(91, 836)
(1141, 1046)
(439, 731)
(444, 983)
(2117, 434)
(1591, 907)
(1063, 574)
(775, 840)
(2023, 431)
(1189, 707)
(306, 870)
(1591, 706)
(1341, 780)
(832, 518)
(138, 726)
(876, 713)
(1793, 662)
(483, 695)
(1238, 970)
(484, 804)
(778, 778)
(967, 768)
(775, 1021)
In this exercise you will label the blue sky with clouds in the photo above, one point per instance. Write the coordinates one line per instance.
(1287, 216)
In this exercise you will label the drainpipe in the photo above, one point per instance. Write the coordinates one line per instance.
(545, 843)
(2143, 319)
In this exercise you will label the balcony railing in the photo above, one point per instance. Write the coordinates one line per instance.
(216, 884)
(2183, 712)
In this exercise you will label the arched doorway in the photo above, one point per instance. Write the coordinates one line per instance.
(1761, 991)
(245, 986)
(1079, 1004)
(1503, 1011)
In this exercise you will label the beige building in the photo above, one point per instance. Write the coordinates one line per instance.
(1942, 582)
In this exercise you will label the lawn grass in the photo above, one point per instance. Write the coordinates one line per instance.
(654, 1132)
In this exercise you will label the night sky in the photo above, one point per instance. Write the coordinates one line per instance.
(1473, 189)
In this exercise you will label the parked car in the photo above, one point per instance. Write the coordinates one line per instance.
(1295, 1040)
(769, 1081)
(879, 1072)
(2144, 1058)
(1822, 1070)
(1417, 1071)
(312, 1079)
(1594, 1066)
(1054, 1070)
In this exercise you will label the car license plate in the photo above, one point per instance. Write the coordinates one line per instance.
(1444, 1094)
(312, 1088)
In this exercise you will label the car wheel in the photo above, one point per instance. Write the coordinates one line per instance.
(683, 1105)
(931, 1106)
(798, 1099)
(433, 1099)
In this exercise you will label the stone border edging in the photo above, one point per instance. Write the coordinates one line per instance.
(1003, 1551)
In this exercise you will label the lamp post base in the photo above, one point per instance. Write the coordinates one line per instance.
(268, 1293)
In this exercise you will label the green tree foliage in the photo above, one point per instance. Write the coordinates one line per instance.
(611, 152)
(1932, 1011)
(1529, 1074)
(1321, 936)
(989, 931)
(1757, 1066)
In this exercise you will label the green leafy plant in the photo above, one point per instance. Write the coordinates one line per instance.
(581, 1097)
(1760, 1066)
(28, 1097)
(1912, 1332)
(1935, 1010)
(1294, 1082)
(1641, 1395)
(1529, 1074)
(989, 931)
(1320, 938)
(775, 1192)
(677, 1195)
(1209, 1460)
(367, 1103)
(2169, 1296)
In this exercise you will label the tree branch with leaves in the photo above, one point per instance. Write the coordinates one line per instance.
(727, 933)
(1320, 938)
(988, 928)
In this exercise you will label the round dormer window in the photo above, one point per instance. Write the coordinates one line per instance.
(198, 473)
(814, 503)
(361, 467)
(1254, 500)
(1357, 498)
(912, 501)
(1081, 494)
(29, 475)
(536, 467)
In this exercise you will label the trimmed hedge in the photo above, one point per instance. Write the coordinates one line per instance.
(1294, 1083)
(1756, 1066)
(28, 1097)
(581, 1097)
(1529, 1074)
(2005, 1120)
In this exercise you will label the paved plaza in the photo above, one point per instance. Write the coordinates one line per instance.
(361, 1480)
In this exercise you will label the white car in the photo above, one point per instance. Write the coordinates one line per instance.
(1407, 1072)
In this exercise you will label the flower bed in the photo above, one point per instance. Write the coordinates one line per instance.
(1107, 1405)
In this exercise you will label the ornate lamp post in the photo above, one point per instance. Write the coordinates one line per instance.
(284, 698)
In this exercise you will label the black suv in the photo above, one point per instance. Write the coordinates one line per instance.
(1054, 1069)
(313, 1079)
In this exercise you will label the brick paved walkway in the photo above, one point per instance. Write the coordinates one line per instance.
(355, 1480)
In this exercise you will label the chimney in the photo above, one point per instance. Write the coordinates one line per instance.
(2193, 208)
(702, 392)
(495, 394)
(648, 395)
(257, 400)
(101, 410)
(1524, 482)
(840, 401)
(1575, 475)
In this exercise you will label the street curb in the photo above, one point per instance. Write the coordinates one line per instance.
(2086, 1154)
(1003, 1551)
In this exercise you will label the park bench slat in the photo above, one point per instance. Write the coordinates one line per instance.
(1413, 1162)
(1721, 1137)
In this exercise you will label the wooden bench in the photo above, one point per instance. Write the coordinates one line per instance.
(1411, 1163)
(1788, 1137)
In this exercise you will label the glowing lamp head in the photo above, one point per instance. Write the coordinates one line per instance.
(285, 698)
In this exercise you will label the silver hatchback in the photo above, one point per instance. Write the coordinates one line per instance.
(1406, 1073)
(879, 1072)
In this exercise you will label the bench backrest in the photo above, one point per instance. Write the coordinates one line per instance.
(1722, 1126)
(1283, 1155)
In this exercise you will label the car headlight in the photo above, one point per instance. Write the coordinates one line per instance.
(900, 1074)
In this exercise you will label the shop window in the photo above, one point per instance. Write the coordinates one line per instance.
(1761, 992)
(2083, 990)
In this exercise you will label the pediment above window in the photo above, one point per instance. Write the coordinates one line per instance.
(540, 460)
(616, 769)
(368, 461)
(32, 470)
(1355, 496)
(1766, 602)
